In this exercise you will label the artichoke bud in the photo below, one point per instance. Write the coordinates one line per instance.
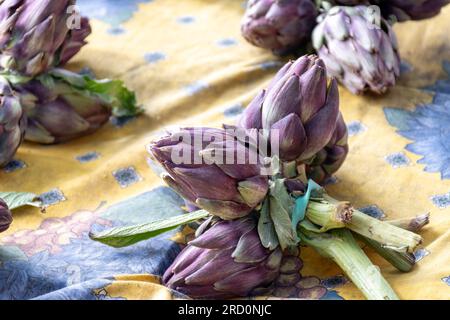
(35, 37)
(359, 49)
(221, 175)
(299, 109)
(280, 26)
(62, 105)
(226, 260)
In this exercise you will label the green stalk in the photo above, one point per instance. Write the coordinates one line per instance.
(388, 235)
(327, 215)
(400, 260)
(340, 246)
(403, 261)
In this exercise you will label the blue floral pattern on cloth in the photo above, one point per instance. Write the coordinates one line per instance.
(126, 177)
(88, 157)
(113, 12)
(14, 165)
(58, 260)
(441, 201)
(373, 211)
(428, 126)
(52, 197)
(446, 280)
(355, 127)
(397, 160)
(153, 57)
(186, 20)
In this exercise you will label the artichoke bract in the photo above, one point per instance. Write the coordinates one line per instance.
(278, 25)
(359, 53)
(62, 105)
(35, 35)
(328, 160)
(75, 40)
(220, 184)
(404, 10)
(13, 122)
(226, 261)
(300, 106)
(5, 216)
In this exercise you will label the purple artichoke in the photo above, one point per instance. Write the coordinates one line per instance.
(62, 105)
(5, 216)
(404, 10)
(360, 54)
(301, 108)
(328, 160)
(35, 35)
(12, 123)
(279, 25)
(226, 188)
(226, 261)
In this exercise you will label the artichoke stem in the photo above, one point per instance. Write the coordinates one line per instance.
(340, 246)
(401, 260)
(412, 224)
(388, 235)
(329, 216)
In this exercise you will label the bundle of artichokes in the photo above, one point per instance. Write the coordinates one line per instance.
(353, 37)
(40, 101)
(261, 204)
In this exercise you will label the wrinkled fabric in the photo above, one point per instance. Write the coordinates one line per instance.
(189, 66)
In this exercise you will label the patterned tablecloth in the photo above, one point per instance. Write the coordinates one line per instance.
(189, 66)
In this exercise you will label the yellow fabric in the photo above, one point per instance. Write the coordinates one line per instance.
(210, 52)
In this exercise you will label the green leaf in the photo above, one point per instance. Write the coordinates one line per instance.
(126, 236)
(113, 92)
(281, 206)
(122, 100)
(16, 200)
(266, 229)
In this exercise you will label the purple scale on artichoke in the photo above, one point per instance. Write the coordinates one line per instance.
(225, 261)
(357, 51)
(279, 25)
(227, 188)
(331, 158)
(13, 122)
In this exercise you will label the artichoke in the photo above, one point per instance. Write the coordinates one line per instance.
(62, 105)
(226, 188)
(279, 25)
(35, 36)
(226, 261)
(328, 160)
(360, 54)
(12, 122)
(299, 106)
(5, 216)
(404, 10)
